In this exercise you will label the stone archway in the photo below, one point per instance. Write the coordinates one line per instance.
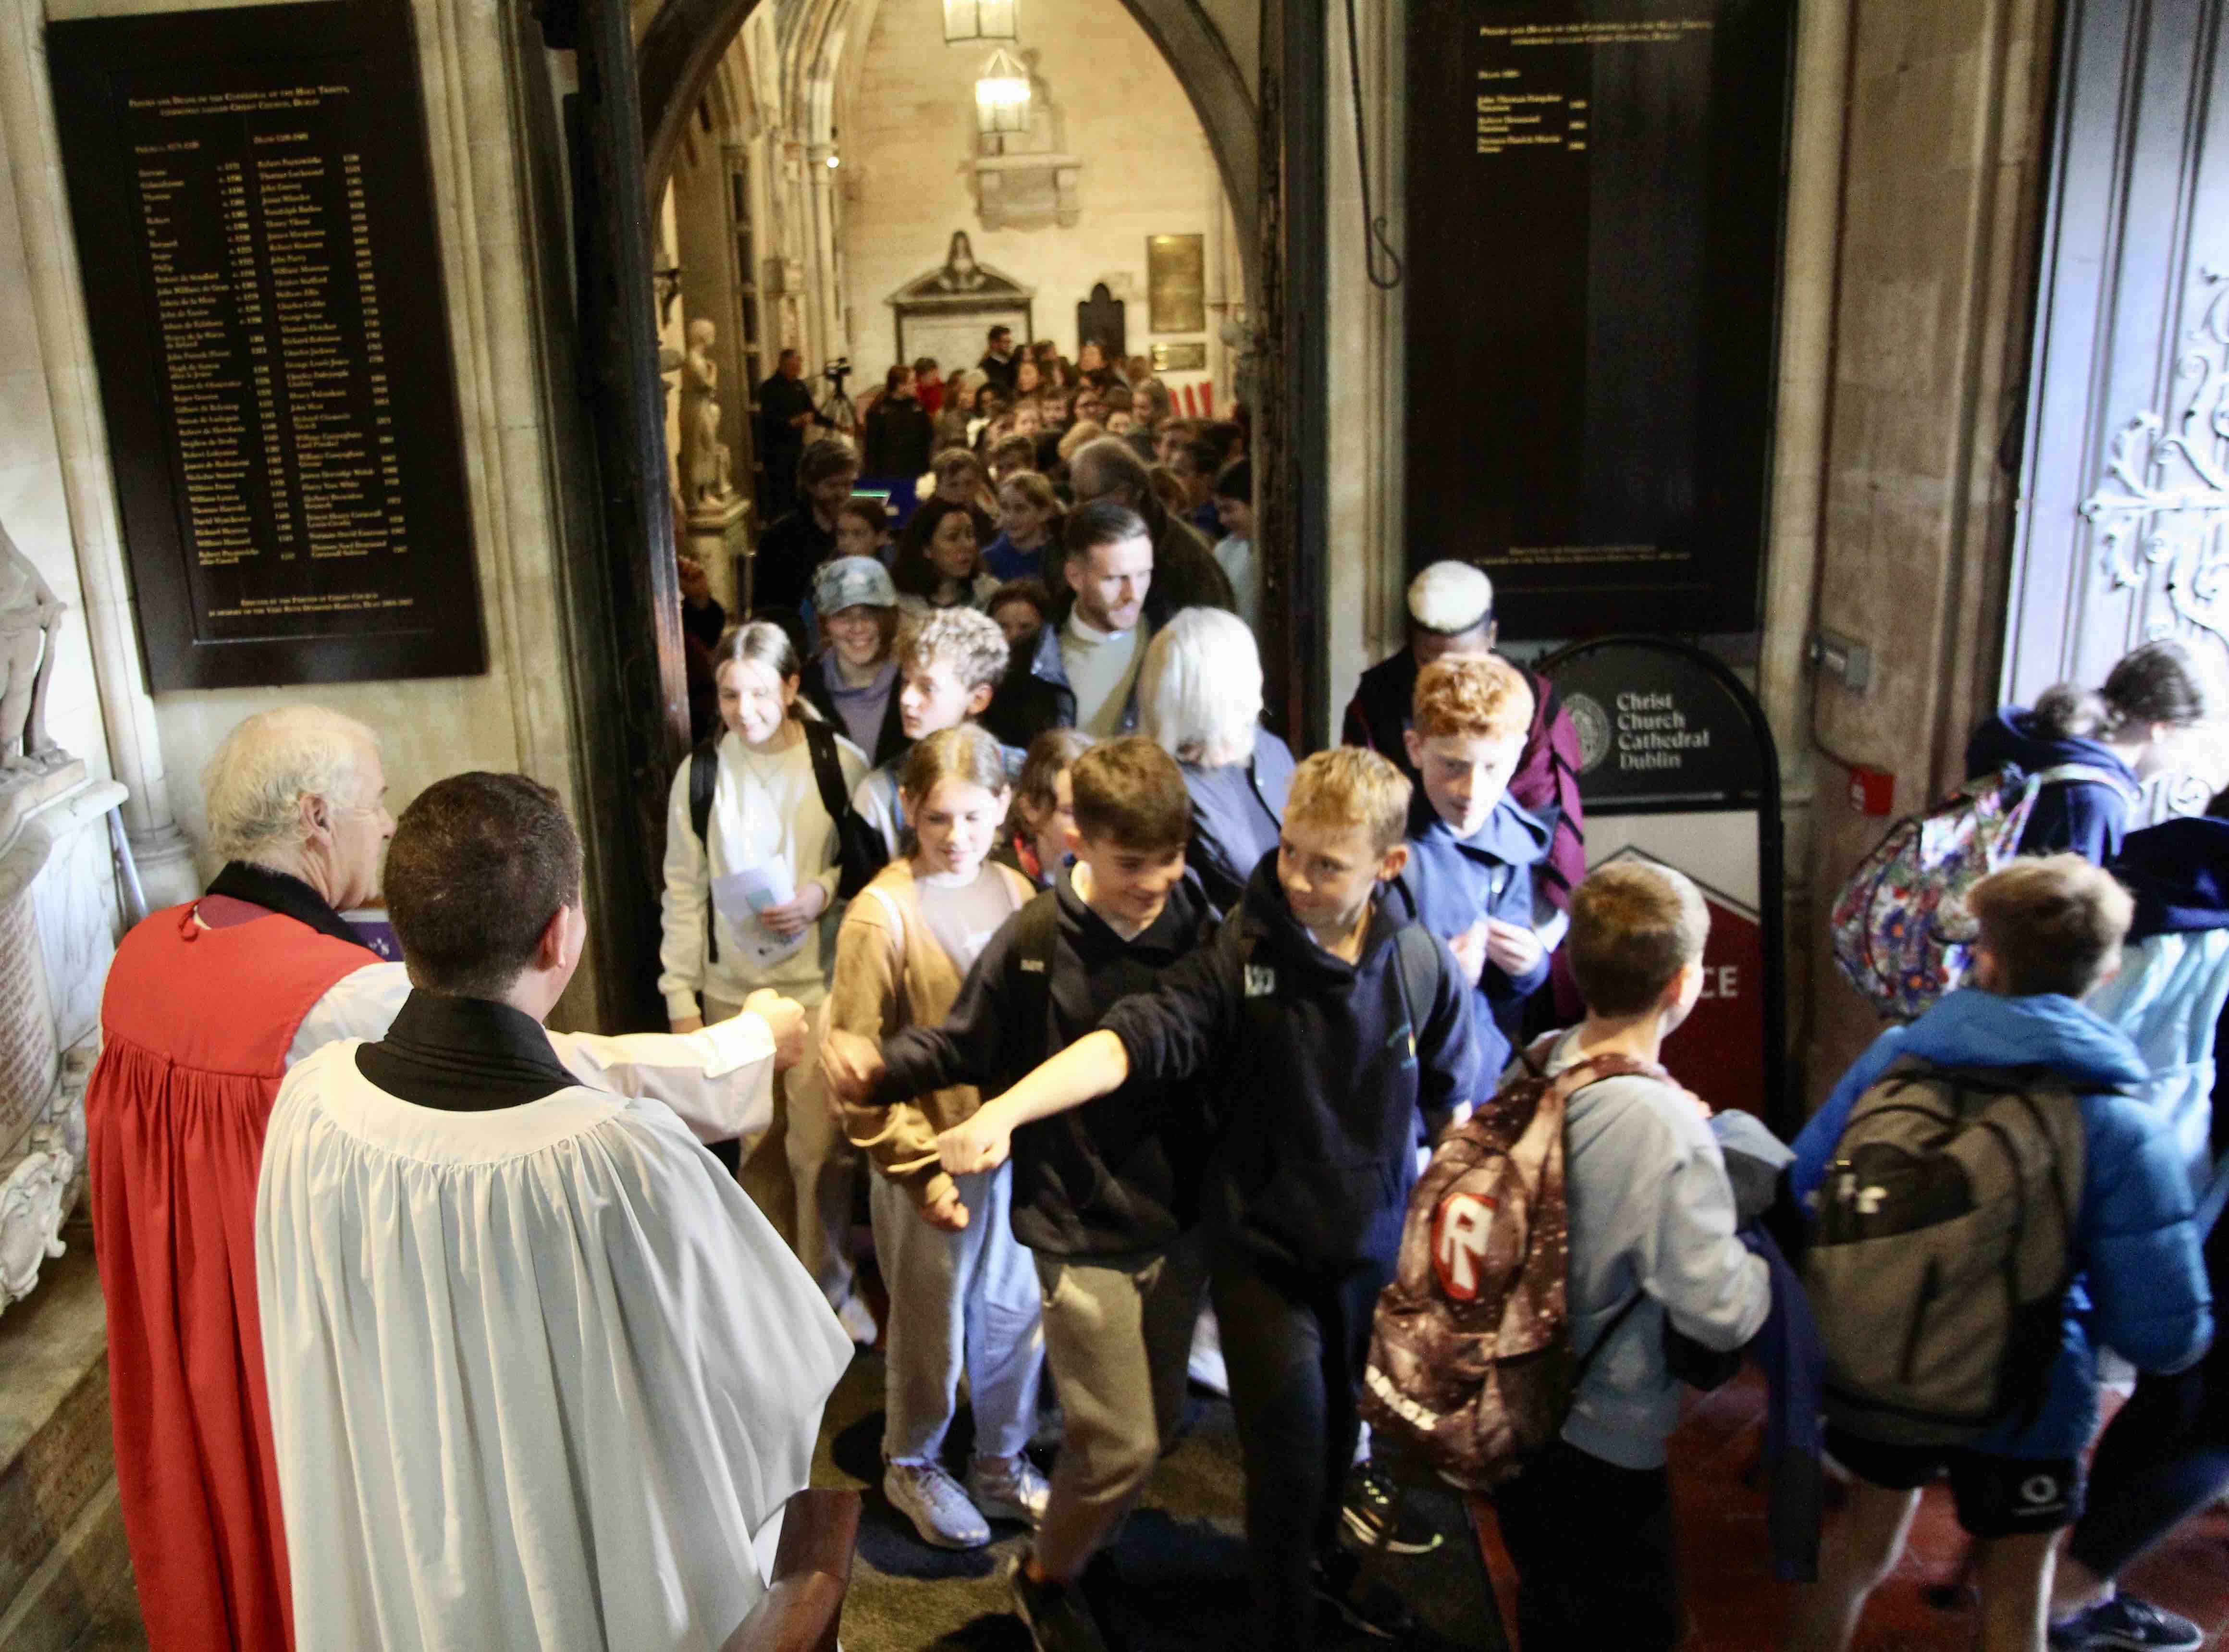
(680, 51)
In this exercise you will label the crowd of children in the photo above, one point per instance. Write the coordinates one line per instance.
(1127, 1025)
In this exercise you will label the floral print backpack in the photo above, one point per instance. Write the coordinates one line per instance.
(1900, 927)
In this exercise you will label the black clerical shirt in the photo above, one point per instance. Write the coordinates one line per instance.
(464, 1055)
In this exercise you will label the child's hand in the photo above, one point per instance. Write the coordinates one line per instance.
(850, 1065)
(1469, 949)
(981, 1143)
(793, 915)
(785, 1019)
(685, 1024)
(946, 1211)
(1511, 948)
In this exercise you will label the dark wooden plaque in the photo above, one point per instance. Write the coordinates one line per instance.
(1594, 210)
(255, 219)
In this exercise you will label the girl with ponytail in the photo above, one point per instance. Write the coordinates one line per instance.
(2094, 747)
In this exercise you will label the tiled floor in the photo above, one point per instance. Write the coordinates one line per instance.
(1734, 1603)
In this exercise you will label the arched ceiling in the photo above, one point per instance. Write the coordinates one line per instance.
(679, 51)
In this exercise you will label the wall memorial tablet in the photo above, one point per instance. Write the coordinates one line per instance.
(1594, 206)
(255, 220)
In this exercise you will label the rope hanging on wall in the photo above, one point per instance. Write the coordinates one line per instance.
(1376, 241)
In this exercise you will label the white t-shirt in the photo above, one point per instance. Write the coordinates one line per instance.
(766, 811)
(1101, 668)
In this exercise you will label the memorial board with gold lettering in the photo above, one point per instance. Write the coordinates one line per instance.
(1594, 215)
(255, 220)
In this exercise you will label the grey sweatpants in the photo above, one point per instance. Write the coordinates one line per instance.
(1118, 1336)
(965, 1301)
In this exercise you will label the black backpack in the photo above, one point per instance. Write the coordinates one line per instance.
(859, 853)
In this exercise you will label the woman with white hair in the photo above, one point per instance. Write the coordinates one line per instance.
(1199, 699)
(207, 1006)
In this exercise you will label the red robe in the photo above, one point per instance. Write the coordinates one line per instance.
(196, 1025)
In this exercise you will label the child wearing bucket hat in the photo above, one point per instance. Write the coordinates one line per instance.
(853, 681)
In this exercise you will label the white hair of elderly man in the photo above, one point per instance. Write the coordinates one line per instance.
(276, 775)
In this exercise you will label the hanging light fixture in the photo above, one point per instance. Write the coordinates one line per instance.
(966, 20)
(1002, 94)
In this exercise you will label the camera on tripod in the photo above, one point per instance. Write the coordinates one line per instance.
(837, 371)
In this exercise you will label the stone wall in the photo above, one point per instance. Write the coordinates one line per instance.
(907, 139)
(1947, 110)
(516, 715)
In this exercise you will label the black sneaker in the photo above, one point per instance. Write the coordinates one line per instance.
(2126, 1624)
(1377, 1518)
(1057, 1617)
(1363, 1603)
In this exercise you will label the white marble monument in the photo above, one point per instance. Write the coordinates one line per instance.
(59, 915)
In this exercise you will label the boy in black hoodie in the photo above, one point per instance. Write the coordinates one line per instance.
(1108, 1196)
(1332, 1017)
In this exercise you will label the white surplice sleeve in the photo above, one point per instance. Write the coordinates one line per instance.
(720, 1080)
(362, 1004)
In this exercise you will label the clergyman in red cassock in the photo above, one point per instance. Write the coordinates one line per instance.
(207, 1006)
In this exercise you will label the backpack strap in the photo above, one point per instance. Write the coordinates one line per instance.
(827, 769)
(1416, 958)
(1036, 932)
(703, 777)
(2080, 774)
(859, 850)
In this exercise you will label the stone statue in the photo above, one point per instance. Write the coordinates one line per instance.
(28, 611)
(961, 274)
(704, 461)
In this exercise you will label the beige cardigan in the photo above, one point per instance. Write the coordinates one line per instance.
(890, 973)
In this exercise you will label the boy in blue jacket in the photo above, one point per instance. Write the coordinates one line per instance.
(1333, 1019)
(2051, 929)
(1472, 850)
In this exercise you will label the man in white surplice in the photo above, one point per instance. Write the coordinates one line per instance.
(540, 1374)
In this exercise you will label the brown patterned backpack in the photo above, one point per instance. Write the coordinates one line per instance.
(1470, 1354)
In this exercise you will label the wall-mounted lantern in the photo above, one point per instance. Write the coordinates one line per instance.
(1002, 94)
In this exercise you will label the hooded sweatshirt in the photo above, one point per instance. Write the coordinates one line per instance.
(2172, 985)
(1547, 778)
(1460, 881)
(1118, 1176)
(1322, 1069)
(1651, 1210)
(2088, 817)
(2140, 1286)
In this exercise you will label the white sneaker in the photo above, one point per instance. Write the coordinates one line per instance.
(932, 1499)
(1008, 1488)
(858, 1320)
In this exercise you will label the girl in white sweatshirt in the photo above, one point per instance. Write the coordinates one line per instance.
(747, 906)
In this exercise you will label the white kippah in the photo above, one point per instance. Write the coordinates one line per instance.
(1450, 598)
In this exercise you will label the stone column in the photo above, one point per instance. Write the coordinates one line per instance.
(161, 850)
(820, 262)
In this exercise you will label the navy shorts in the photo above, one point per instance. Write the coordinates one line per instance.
(1996, 1496)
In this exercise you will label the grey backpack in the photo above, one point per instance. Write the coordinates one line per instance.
(1938, 1267)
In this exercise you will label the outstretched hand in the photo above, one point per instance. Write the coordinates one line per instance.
(945, 1212)
(979, 1143)
(851, 1065)
(785, 1019)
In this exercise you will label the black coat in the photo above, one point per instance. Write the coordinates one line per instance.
(899, 439)
(1115, 1176)
(1310, 1058)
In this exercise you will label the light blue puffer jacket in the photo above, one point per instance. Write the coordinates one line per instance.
(2141, 1286)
